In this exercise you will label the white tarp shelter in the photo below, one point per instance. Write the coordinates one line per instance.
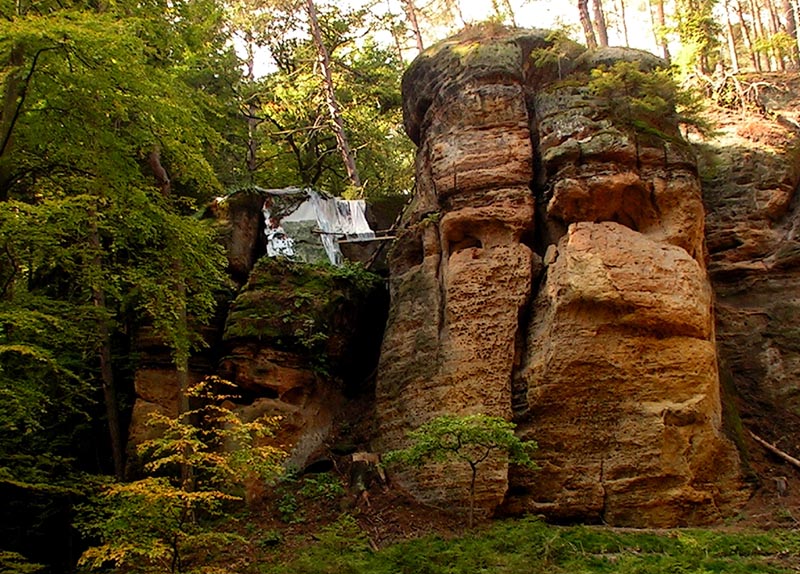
(306, 225)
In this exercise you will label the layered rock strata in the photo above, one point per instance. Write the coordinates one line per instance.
(298, 340)
(551, 271)
(753, 233)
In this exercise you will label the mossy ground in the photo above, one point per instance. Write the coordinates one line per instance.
(345, 540)
(320, 524)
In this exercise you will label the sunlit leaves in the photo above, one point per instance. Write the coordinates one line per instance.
(161, 523)
(469, 438)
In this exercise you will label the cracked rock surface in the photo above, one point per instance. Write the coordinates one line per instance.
(550, 270)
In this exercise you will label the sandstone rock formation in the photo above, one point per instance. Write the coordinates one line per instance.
(292, 340)
(752, 173)
(551, 271)
(297, 339)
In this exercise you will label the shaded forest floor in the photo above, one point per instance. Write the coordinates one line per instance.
(393, 534)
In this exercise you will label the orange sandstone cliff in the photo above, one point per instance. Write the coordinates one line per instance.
(551, 270)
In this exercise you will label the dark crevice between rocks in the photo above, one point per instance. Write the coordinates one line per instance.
(535, 240)
(519, 385)
(602, 513)
(440, 280)
(792, 216)
(361, 359)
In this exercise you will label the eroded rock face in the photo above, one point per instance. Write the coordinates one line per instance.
(292, 339)
(752, 173)
(605, 352)
(299, 341)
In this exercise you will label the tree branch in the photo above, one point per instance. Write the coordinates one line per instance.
(22, 95)
(776, 451)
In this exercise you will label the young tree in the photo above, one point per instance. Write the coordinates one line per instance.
(161, 524)
(698, 32)
(471, 439)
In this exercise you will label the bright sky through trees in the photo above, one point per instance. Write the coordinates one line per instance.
(528, 14)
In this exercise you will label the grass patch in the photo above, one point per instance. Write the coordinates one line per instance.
(529, 546)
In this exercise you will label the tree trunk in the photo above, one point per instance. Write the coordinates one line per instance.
(182, 368)
(251, 161)
(660, 28)
(624, 21)
(748, 41)
(8, 115)
(600, 23)
(106, 370)
(509, 9)
(162, 178)
(411, 12)
(455, 7)
(330, 95)
(471, 520)
(758, 26)
(586, 22)
(731, 40)
(795, 11)
(774, 28)
(791, 29)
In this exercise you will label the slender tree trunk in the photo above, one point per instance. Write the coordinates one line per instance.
(624, 21)
(471, 520)
(330, 95)
(586, 22)
(774, 27)
(161, 175)
(758, 26)
(455, 7)
(660, 27)
(511, 13)
(252, 111)
(791, 29)
(501, 11)
(182, 368)
(398, 41)
(600, 23)
(747, 38)
(731, 41)
(411, 12)
(795, 11)
(106, 370)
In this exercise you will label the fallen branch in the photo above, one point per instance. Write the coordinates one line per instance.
(788, 123)
(776, 451)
